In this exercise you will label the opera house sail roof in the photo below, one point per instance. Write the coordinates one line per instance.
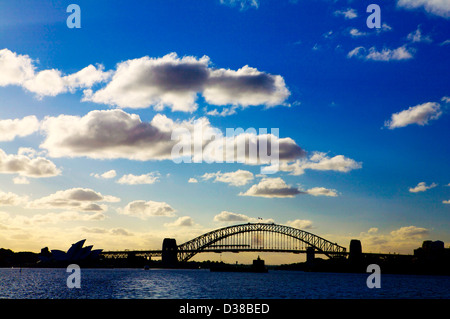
(76, 253)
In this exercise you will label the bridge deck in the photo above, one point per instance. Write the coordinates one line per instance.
(158, 253)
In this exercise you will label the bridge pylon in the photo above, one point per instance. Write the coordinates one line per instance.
(169, 254)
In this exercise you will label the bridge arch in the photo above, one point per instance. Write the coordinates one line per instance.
(206, 241)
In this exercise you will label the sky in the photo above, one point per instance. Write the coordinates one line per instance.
(94, 121)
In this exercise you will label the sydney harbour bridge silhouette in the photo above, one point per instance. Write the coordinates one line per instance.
(250, 237)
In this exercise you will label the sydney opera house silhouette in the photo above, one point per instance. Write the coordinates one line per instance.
(76, 254)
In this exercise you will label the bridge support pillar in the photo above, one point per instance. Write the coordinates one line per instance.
(355, 255)
(310, 255)
(169, 252)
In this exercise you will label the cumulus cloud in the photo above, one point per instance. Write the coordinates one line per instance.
(27, 166)
(21, 180)
(242, 4)
(106, 175)
(421, 187)
(409, 232)
(175, 82)
(401, 240)
(226, 111)
(226, 216)
(349, 13)
(321, 191)
(446, 201)
(144, 210)
(417, 36)
(16, 69)
(401, 53)
(49, 218)
(319, 161)
(120, 232)
(420, 114)
(10, 129)
(272, 188)
(246, 86)
(192, 180)
(277, 187)
(113, 134)
(11, 199)
(237, 178)
(300, 223)
(436, 7)
(79, 199)
(108, 134)
(131, 179)
(356, 33)
(184, 221)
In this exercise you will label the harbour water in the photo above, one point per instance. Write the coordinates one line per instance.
(47, 283)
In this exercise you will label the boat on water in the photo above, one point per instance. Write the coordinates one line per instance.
(257, 266)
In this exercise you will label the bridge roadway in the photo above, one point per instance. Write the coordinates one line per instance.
(158, 253)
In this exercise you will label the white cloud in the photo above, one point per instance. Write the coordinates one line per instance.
(116, 134)
(11, 199)
(437, 7)
(21, 180)
(271, 188)
(46, 83)
(184, 221)
(226, 216)
(409, 232)
(242, 4)
(321, 191)
(245, 87)
(356, 33)
(420, 114)
(300, 223)
(49, 218)
(319, 161)
(446, 201)
(10, 129)
(192, 180)
(226, 111)
(27, 166)
(277, 187)
(144, 210)
(109, 134)
(16, 69)
(421, 187)
(417, 36)
(106, 175)
(79, 199)
(401, 53)
(348, 14)
(120, 232)
(446, 99)
(131, 179)
(175, 82)
(87, 77)
(401, 240)
(385, 27)
(446, 42)
(237, 178)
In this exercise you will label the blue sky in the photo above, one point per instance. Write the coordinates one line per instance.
(369, 107)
